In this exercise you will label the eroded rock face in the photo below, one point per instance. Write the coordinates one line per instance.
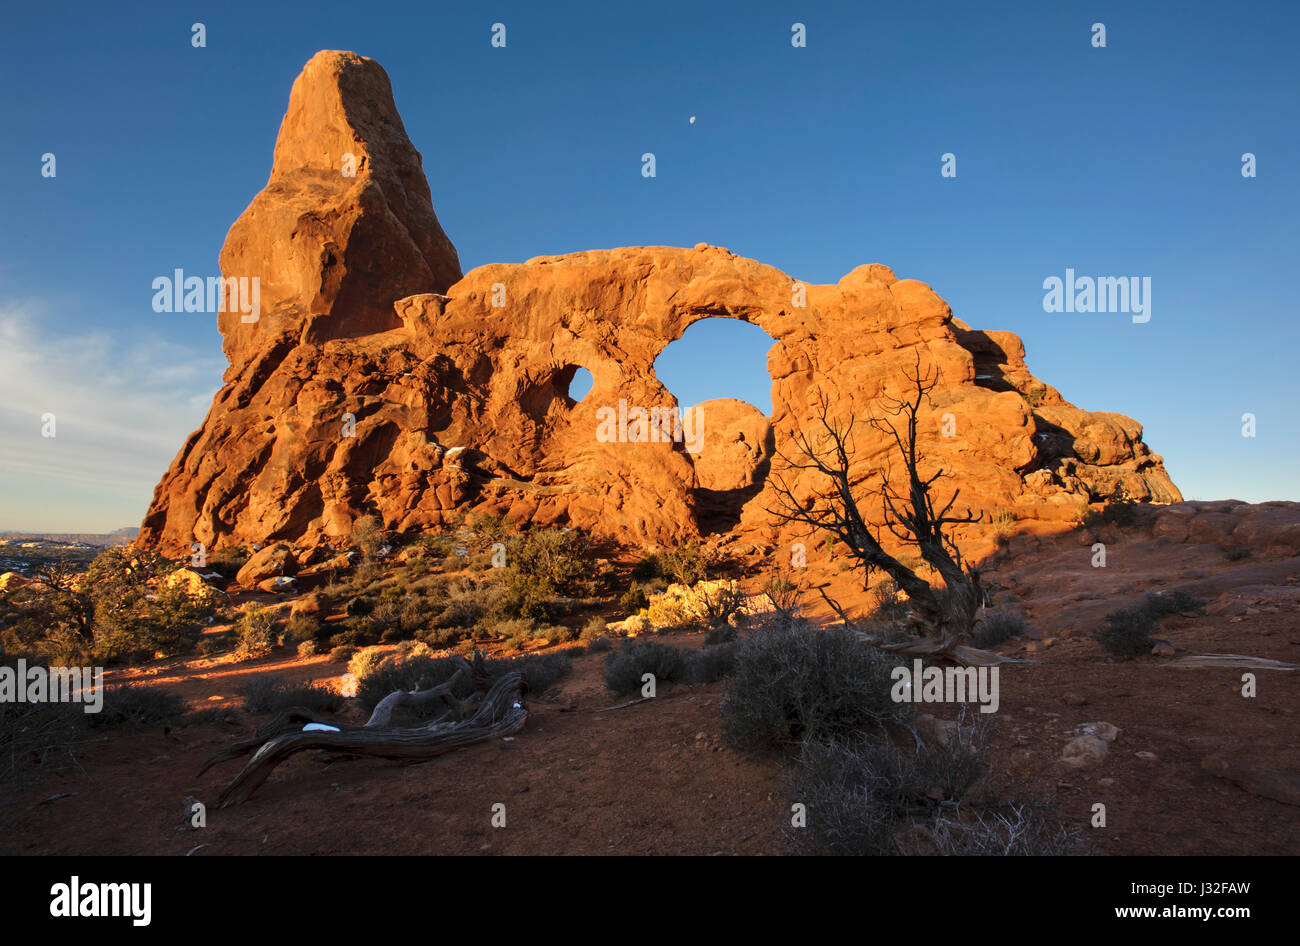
(379, 380)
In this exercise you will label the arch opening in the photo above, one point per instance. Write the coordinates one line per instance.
(717, 370)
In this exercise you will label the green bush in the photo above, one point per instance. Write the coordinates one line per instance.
(633, 600)
(794, 682)
(684, 563)
(558, 558)
(648, 567)
(528, 597)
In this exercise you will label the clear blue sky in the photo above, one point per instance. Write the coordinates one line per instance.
(1117, 161)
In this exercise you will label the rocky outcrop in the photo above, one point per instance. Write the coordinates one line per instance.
(378, 380)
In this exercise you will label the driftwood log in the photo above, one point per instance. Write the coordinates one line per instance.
(500, 712)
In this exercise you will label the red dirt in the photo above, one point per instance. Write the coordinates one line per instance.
(655, 778)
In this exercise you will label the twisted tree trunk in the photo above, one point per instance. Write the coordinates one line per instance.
(500, 713)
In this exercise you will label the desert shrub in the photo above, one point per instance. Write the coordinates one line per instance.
(712, 663)
(1004, 521)
(364, 662)
(560, 558)
(647, 567)
(273, 693)
(308, 648)
(594, 629)
(1004, 830)
(541, 672)
(669, 612)
(366, 574)
(624, 668)
(793, 682)
(1163, 603)
(227, 561)
(440, 637)
(36, 739)
(721, 634)
(255, 634)
(368, 535)
(342, 653)
(528, 596)
(558, 633)
(863, 789)
(684, 563)
(213, 644)
(633, 600)
(720, 604)
(134, 621)
(784, 595)
(886, 604)
(358, 607)
(489, 529)
(998, 626)
(452, 563)
(137, 706)
(1127, 632)
(599, 645)
(303, 628)
(1035, 395)
(469, 602)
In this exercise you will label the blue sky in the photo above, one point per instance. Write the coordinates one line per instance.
(1117, 161)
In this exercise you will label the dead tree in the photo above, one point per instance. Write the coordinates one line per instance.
(498, 712)
(910, 513)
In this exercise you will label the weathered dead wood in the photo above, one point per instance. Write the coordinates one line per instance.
(293, 718)
(501, 713)
(959, 653)
(382, 717)
(1236, 661)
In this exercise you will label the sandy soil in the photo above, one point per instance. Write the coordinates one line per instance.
(655, 778)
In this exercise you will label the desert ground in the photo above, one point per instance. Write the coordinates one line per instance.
(1194, 768)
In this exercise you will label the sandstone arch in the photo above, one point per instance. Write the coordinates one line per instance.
(374, 321)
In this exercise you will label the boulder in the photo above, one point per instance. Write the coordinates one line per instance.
(268, 562)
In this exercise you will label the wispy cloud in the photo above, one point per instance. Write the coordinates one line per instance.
(122, 403)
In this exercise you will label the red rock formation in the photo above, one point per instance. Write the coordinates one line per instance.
(362, 390)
